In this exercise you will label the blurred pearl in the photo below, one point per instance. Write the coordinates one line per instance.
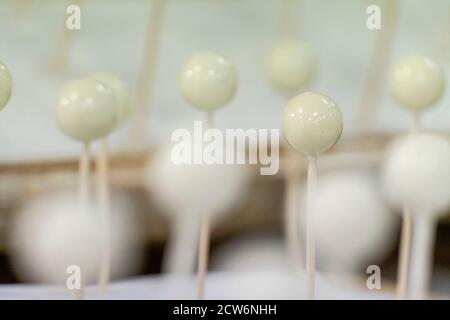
(49, 236)
(87, 110)
(291, 66)
(49, 233)
(187, 192)
(312, 123)
(417, 82)
(121, 92)
(416, 172)
(5, 85)
(352, 226)
(182, 188)
(208, 81)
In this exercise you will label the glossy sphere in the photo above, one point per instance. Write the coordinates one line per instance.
(5, 85)
(87, 110)
(208, 81)
(417, 82)
(291, 66)
(124, 107)
(312, 123)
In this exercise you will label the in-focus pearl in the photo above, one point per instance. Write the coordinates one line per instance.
(87, 110)
(416, 172)
(291, 66)
(312, 123)
(208, 81)
(417, 82)
(5, 85)
(121, 91)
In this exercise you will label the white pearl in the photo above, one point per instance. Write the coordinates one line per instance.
(312, 123)
(5, 85)
(417, 82)
(417, 172)
(51, 234)
(121, 91)
(348, 206)
(182, 188)
(208, 81)
(291, 66)
(87, 110)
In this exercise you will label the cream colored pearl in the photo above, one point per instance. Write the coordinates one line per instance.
(417, 82)
(124, 107)
(208, 81)
(87, 110)
(291, 66)
(312, 123)
(5, 85)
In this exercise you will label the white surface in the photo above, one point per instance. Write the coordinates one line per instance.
(225, 286)
(112, 38)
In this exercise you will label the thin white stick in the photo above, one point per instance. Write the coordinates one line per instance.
(83, 193)
(291, 217)
(416, 123)
(209, 121)
(203, 253)
(203, 245)
(310, 241)
(181, 252)
(84, 173)
(422, 256)
(406, 236)
(377, 68)
(290, 16)
(104, 205)
(64, 45)
(147, 73)
(404, 254)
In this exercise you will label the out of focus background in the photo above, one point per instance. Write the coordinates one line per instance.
(38, 163)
